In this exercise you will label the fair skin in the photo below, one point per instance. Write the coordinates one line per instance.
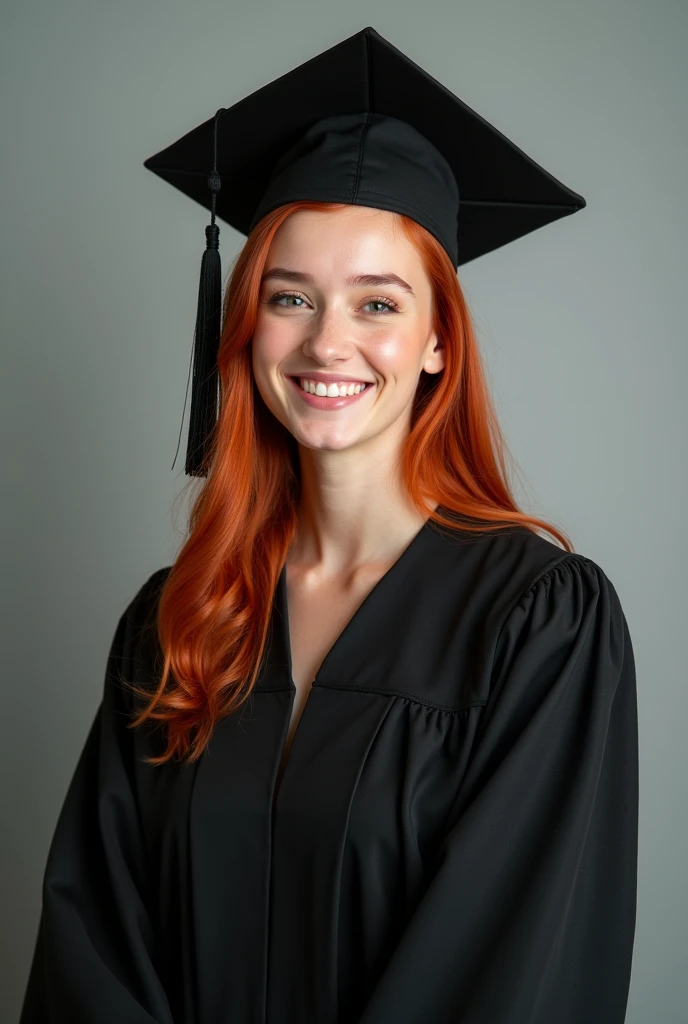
(355, 515)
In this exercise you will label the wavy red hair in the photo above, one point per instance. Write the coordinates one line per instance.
(214, 609)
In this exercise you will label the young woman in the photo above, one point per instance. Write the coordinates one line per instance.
(367, 751)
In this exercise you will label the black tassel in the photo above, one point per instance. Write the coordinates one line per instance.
(204, 387)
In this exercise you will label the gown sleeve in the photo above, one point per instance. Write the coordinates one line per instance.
(529, 913)
(92, 961)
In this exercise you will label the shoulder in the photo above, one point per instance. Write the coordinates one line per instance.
(569, 588)
(145, 598)
(135, 637)
(502, 584)
(513, 563)
(567, 624)
(539, 580)
(489, 572)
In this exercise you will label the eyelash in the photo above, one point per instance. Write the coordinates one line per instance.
(387, 302)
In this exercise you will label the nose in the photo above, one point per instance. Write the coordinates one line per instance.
(328, 338)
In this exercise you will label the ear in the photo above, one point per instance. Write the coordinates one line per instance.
(434, 354)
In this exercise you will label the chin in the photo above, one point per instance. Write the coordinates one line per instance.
(325, 442)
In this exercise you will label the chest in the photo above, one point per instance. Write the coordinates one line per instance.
(317, 617)
(287, 866)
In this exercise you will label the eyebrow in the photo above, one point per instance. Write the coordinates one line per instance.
(364, 280)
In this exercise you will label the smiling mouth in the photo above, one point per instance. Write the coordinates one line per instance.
(322, 389)
(331, 402)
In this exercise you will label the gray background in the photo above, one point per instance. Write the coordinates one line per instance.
(582, 323)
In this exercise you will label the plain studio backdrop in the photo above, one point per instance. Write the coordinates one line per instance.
(582, 323)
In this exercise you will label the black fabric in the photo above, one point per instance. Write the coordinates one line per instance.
(349, 158)
(362, 123)
(454, 838)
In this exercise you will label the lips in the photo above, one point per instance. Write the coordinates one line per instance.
(325, 403)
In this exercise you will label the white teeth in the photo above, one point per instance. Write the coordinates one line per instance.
(330, 390)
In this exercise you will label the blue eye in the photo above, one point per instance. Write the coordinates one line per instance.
(390, 307)
(285, 295)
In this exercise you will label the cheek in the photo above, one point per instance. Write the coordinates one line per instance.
(271, 345)
(396, 352)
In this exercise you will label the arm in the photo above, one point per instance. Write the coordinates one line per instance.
(529, 915)
(93, 958)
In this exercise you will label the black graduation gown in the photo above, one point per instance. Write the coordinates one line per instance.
(454, 838)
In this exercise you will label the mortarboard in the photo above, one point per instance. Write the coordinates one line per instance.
(360, 123)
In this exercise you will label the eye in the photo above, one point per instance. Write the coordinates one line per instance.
(390, 306)
(273, 300)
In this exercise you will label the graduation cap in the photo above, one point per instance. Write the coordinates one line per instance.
(360, 123)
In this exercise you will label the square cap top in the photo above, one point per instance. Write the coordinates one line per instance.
(362, 123)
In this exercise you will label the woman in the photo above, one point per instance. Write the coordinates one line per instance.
(383, 764)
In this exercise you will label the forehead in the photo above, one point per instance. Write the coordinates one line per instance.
(354, 238)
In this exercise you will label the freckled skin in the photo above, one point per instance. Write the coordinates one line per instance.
(336, 327)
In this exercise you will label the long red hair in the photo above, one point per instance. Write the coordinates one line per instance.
(214, 609)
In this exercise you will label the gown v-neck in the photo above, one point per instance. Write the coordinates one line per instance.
(361, 610)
